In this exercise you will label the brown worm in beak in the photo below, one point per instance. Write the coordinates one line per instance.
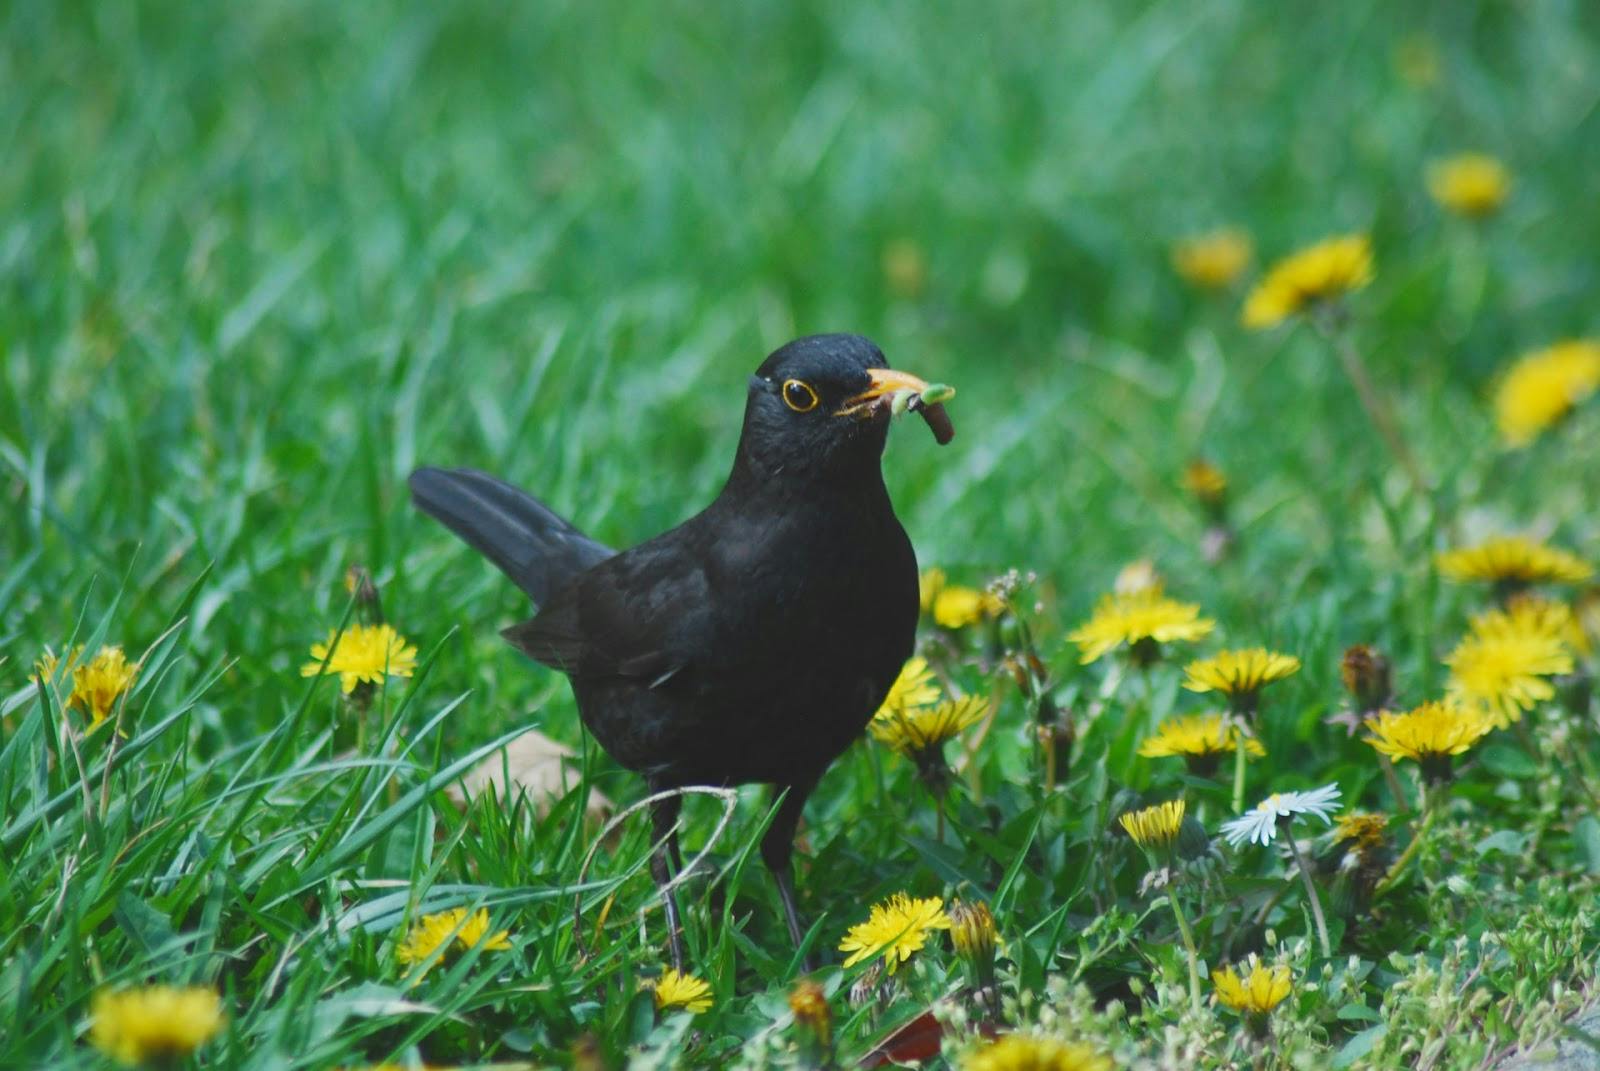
(938, 421)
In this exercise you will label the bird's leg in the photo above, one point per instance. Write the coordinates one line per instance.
(664, 817)
(777, 848)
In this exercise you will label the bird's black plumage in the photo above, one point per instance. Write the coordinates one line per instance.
(753, 642)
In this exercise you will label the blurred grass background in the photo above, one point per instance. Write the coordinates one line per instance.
(270, 258)
(258, 261)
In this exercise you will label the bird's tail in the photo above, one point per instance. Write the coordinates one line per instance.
(521, 535)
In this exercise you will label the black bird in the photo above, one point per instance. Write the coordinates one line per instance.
(753, 642)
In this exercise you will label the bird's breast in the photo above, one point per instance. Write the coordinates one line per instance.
(806, 619)
(826, 611)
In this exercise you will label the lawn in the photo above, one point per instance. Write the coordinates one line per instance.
(258, 262)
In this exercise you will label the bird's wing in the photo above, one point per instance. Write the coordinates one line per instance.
(640, 615)
(530, 543)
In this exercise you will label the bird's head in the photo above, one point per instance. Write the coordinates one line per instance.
(823, 403)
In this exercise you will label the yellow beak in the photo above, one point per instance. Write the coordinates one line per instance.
(885, 381)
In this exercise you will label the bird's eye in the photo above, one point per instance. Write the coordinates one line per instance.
(799, 396)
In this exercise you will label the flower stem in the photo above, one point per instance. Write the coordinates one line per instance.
(1238, 771)
(1400, 801)
(1188, 948)
(1311, 892)
(1586, 772)
(1378, 411)
(1048, 739)
(1393, 876)
(1525, 737)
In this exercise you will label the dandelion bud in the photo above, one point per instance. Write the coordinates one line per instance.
(813, 1022)
(358, 584)
(1046, 711)
(1193, 842)
(587, 1054)
(1056, 739)
(972, 931)
(1366, 675)
(867, 989)
(1206, 483)
(1358, 856)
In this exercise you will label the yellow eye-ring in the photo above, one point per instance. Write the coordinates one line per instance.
(799, 396)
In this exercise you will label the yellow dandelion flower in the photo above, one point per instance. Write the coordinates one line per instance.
(1200, 740)
(1205, 481)
(98, 684)
(929, 584)
(46, 665)
(917, 732)
(475, 933)
(1541, 388)
(914, 687)
(432, 936)
(1502, 666)
(1364, 831)
(896, 929)
(1255, 990)
(1428, 735)
(427, 936)
(676, 990)
(1315, 274)
(1471, 184)
(1142, 620)
(956, 607)
(1513, 560)
(1020, 1052)
(157, 1023)
(364, 654)
(1155, 827)
(1534, 613)
(1239, 674)
(1212, 261)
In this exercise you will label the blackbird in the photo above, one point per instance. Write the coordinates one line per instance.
(753, 642)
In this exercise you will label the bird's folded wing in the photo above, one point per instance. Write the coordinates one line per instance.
(638, 616)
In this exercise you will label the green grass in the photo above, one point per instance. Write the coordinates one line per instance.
(257, 262)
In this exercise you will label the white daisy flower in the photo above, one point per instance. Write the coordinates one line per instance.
(1260, 824)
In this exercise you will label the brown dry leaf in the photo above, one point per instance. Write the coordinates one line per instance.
(537, 766)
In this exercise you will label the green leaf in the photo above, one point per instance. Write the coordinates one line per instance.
(1503, 760)
(1586, 839)
(144, 923)
(1358, 1011)
(1508, 841)
(1359, 1045)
